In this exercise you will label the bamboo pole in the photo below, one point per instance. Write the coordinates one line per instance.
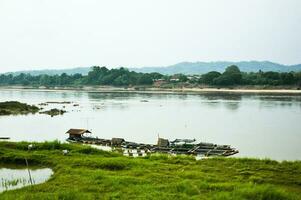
(28, 171)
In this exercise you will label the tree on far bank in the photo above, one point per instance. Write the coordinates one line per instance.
(231, 76)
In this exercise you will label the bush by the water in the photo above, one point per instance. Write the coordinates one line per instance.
(53, 112)
(15, 107)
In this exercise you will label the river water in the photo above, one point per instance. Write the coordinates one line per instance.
(258, 125)
(13, 178)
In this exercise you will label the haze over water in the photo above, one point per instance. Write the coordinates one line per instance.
(258, 125)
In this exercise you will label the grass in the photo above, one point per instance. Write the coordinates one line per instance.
(14, 182)
(15, 108)
(87, 173)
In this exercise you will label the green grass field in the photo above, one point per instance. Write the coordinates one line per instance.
(87, 173)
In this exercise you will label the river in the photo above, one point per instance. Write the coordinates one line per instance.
(258, 125)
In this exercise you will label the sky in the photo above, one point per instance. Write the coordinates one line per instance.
(53, 34)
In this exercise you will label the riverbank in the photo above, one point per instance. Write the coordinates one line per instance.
(87, 173)
(157, 90)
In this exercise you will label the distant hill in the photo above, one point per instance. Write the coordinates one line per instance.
(79, 70)
(204, 67)
(186, 68)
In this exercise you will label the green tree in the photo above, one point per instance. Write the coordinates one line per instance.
(233, 73)
(209, 77)
(145, 79)
(223, 80)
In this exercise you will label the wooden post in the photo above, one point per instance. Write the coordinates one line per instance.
(28, 172)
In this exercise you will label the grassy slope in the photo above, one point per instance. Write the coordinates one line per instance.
(93, 174)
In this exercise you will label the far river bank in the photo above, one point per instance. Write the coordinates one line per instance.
(182, 90)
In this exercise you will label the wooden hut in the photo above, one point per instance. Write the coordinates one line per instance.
(77, 133)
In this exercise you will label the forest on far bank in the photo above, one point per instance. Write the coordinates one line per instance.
(232, 76)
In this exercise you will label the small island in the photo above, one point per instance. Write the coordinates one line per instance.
(53, 112)
(17, 108)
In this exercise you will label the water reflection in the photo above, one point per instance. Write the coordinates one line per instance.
(221, 96)
(228, 101)
(232, 105)
(279, 101)
(106, 96)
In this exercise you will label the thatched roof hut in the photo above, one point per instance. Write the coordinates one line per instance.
(73, 133)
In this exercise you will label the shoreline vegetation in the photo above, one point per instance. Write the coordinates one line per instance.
(88, 173)
(53, 112)
(231, 79)
(17, 108)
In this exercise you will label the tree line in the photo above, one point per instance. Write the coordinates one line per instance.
(123, 77)
(233, 76)
(97, 76)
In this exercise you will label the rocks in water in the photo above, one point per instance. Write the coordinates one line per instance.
(17, 108)
(53, 112)
(96, 107)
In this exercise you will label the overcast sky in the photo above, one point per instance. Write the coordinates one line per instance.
(39, 34)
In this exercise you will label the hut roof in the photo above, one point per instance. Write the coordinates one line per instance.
(77, 131)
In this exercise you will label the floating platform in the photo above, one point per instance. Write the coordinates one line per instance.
(178, 146)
